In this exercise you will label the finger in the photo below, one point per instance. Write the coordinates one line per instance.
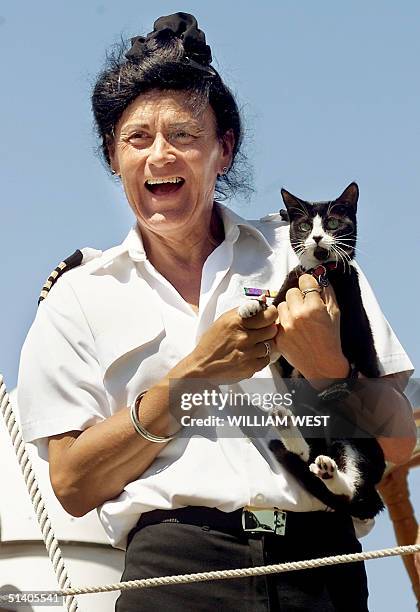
(263, 349)
(265, 333)
(261, 363)
(259, 355)
(284, 317)
(294, 299)
(283, 324)
(330, 297)
(264, 318)
(314, 292)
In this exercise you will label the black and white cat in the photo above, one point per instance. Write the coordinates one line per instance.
(340, 472)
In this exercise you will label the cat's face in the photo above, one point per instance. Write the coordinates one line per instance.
(323, 231)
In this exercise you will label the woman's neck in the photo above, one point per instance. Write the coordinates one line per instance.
(180, 258)
(187, 246)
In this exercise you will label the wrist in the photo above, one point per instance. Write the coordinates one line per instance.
(322, 378)
(142, 431)
(340, 388)
(189, 367)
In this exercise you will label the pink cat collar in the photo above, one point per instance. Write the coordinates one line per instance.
(320, 272)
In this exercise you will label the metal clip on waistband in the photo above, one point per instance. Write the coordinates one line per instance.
(257, 520)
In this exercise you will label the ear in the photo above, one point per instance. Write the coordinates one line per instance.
(350, 196)
(294, 205)
(228, 144)
(110, 143)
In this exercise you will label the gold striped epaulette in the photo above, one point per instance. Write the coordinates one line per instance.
(67, 264)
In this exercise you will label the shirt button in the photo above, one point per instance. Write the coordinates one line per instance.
(260, 498)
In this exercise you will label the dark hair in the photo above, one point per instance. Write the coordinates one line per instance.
(164, 66)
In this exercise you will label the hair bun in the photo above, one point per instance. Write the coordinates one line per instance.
(185, 27)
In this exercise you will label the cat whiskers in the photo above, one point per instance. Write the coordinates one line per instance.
(338, 255)
(329, 208)
(346, 258)
(342, 242)
(342, 236)
(298, 247)
(342, 250)
(341, 253)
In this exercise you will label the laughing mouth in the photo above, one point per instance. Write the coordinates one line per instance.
(163, 186)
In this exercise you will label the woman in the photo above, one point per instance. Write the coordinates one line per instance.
(98, 362)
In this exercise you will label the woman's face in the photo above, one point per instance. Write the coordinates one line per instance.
(168, 159)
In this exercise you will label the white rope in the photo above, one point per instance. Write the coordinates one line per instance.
(243, 572)
(35, 494)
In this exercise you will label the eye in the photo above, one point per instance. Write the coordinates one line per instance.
(333, 223)
(181, 136)
(139, 138)
(304, 226)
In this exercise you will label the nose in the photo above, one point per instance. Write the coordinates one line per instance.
(317, 239)
(161, 152)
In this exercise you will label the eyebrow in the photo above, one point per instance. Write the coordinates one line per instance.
(172, 126)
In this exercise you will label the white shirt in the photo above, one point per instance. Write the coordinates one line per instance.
(115, 326)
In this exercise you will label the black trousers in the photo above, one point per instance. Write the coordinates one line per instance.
(170, 548)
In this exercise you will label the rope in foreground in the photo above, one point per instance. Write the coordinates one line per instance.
(35, 494)
(244, 572)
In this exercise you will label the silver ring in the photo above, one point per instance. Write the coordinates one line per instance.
(267, 349)
(317, 289)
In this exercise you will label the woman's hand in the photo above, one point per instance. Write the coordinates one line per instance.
(233, 348)
(309, 332)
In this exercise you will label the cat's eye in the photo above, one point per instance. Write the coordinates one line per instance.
(333, 223)
(304, 226)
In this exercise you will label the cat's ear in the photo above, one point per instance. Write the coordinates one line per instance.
(294, 205)
(350, 195)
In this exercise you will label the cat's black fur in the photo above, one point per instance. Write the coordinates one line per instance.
(356, 338)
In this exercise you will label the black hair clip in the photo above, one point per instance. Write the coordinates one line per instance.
(136, 51)
(185, 27)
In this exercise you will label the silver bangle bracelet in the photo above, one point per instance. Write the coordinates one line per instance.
(139, 428)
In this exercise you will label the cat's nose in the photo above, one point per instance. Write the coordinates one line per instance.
(317, 239)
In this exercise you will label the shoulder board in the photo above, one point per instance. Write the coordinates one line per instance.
(281, 215)
(74, 260)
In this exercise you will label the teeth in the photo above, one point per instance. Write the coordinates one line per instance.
(172, 179)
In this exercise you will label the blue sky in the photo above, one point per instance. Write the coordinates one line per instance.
(330, 93)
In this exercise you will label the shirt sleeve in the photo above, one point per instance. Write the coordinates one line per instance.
(60, 385)
(391, 356)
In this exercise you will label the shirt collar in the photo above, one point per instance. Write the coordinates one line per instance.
(233, 225)
(134, 244)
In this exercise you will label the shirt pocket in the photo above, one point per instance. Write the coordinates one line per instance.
(137, 327)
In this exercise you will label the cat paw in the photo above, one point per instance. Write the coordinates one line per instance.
(290, 434)
(250, 308)
(298, 447)
(324, 467)
(284, 414)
